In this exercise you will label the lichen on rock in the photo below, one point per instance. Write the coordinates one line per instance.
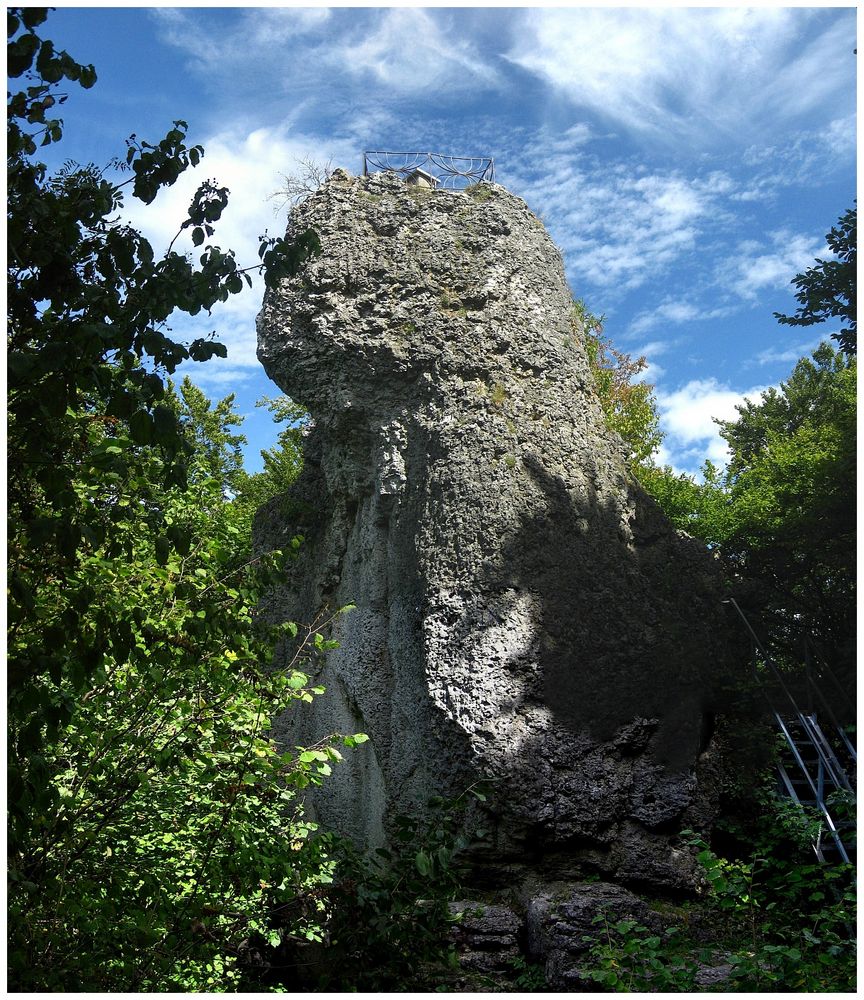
(524, 612)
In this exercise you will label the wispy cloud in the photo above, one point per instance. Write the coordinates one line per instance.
(805, 157)
(673, 74)
(333, 65)
(791, 354)
(669, 311)
(256, 32)
(618, 223)
(410, 50)
(673, 312)
(756, 266)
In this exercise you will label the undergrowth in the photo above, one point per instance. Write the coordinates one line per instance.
(780, 922)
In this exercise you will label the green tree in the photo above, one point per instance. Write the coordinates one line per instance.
(829, 289)
(790, 514)
(88, 353)
(782, 513)
(700, 509)
(152, 822)
(282, 463)
(175, 832)
(209, 426)
(629, 406)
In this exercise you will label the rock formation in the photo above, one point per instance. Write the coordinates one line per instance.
(524, 612)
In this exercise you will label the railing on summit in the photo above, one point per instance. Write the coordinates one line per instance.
(436, 170)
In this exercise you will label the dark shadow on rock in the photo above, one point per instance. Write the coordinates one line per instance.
(633, 655)
(631, 622)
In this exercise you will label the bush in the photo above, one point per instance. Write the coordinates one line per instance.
(389, 916)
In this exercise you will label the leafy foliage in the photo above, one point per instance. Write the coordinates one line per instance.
(629, 958)
(390, 918)
(829, 289)
(208, 426)
(282, 463)
(172, 830)
(790, 920)
(778, 921)
(700, 509)
(791, 485)
(629, 406)
(782, 514)
(175, 828)
(87, 356)
(528, 977)
(153, 823)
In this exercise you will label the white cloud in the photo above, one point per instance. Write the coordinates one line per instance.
(260, 33)
(653, 348)
(687, 418)
(804, 157)
(617, 223)
(672, 312)
(570, 139)
(336, 59)
(755, 266)
(683, 73)
(666, 312)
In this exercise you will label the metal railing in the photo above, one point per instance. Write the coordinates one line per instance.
(804, 737)
(451, 172)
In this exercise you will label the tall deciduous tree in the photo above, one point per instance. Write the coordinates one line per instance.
(88, 352)
(782, 513)
(282, 463)
(152, 823)
(789, 520)
(210, 426)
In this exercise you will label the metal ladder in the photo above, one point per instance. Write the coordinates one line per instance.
(810, 769)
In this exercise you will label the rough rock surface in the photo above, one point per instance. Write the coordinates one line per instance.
(524, 611)
(561, 928)
(486, 937)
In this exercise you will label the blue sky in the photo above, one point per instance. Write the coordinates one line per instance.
(687, 161)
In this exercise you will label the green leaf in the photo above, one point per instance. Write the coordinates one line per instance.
(141, 427)
(165, 426)
(20, 55)
(162, 550)
(33, 16)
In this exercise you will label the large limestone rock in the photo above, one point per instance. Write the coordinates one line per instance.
(524, 611)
